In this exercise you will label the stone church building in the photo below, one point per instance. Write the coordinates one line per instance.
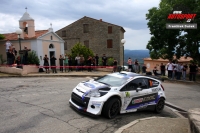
(41, 41)
(101, 37)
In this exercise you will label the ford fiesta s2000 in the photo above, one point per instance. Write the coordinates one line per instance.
(118, 93)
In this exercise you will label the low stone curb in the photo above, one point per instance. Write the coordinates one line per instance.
(194, 120)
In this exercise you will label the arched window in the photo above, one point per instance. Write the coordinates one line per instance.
(51, 46)
(51, 37)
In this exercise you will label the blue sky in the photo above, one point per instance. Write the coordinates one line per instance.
(129, 14)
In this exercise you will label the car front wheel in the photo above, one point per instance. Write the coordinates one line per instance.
(111, 108)
(160, 105)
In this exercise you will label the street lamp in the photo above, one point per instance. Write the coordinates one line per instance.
(123, 42)
(19, 32)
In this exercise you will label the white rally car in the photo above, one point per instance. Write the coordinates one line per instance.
(118, 93)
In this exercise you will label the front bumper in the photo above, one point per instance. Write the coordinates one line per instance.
(87, 105)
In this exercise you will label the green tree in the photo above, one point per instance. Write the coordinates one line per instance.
(80, 49)
(1, 37)
(33, 58)
(164, 42)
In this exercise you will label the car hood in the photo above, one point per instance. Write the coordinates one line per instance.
(90, 86)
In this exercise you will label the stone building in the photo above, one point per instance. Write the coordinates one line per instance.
(101, 37)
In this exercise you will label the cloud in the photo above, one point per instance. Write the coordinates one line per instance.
(136, 39)
(125, 13)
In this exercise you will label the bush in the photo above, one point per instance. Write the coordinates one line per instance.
(1, 37)
(110, 61)
(33, 58)
(2, 61)
(80, 49)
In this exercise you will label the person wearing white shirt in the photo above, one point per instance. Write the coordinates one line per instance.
(77, 59)
(170, 68)
(8, 44)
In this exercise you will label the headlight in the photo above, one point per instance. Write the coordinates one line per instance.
(93, 94)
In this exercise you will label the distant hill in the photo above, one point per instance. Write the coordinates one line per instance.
(136, 54)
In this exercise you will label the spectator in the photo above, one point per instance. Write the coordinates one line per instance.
(97, 59)
(93, 63)
(53, 64)
(155, 71)
(144, 68)
(114, 65)
(185, 67)
(18, 62)
(10, 57)
(162, 69)
(61, 59)
(193, 71)
(129, 64)
(179, 71)
(170, 66)
(66, 62)
(174, 73)
(89, 62)
(70, 63)
(136, 64)
(82, 59)
(77, 59)
(14, 51)
(104, 60)
(25, 55)
(46, 63)
(8, 44)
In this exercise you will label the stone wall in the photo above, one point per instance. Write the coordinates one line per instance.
(97, 36)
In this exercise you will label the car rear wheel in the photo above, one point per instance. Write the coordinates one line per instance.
(160, 105)
(111, 108)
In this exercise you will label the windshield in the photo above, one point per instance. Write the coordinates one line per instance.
(112, 80)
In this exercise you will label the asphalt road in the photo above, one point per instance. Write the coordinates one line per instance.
(36, 105)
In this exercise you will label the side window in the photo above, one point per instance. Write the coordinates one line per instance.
(152, 83)
(136, 83)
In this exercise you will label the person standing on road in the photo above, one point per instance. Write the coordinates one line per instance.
(77, 59)
(114, 65)
(89, 62)
(61, 59)
(53, 64)
(144, 69)
(66, 62)
(193, 71)
(170, 66)
(82, 60)
(162, 69)
(104, 60)
(185, 67)
(97, 59)
(179, 71)
(46, 63)
(136, 65)
(70, 63)
(129, 64)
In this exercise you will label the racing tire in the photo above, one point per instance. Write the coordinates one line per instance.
(111, 108)
(160, 105)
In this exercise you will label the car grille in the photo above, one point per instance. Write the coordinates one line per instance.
(78, 100)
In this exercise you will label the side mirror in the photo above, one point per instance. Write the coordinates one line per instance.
(138, 89)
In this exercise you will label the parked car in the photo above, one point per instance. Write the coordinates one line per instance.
(118, 93)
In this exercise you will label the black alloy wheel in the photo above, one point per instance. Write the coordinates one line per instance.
(160, 105)
(111, 108)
